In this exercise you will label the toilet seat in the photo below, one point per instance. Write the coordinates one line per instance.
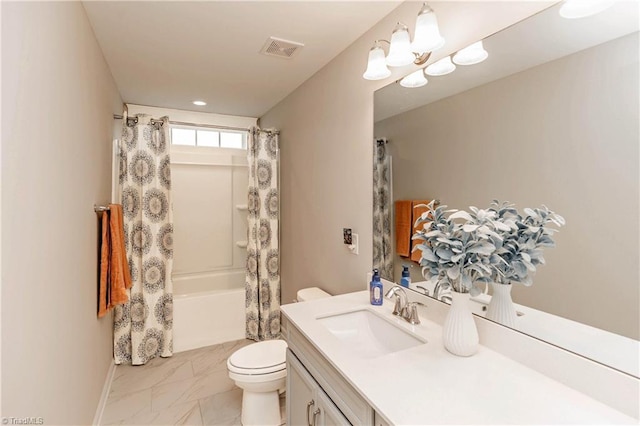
(259, 358)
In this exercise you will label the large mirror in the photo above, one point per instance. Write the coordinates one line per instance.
(550, 117)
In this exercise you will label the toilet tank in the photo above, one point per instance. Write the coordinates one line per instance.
(311, 293)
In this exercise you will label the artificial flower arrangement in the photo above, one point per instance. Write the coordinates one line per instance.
(464, 250)
(520, 249)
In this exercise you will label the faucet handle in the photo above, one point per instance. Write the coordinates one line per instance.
(401, 299)
(412, 313)
(424, 290)
(397, 307)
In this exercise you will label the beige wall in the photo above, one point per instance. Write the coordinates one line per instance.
(326, 147)
(58, 97)
(564, 134)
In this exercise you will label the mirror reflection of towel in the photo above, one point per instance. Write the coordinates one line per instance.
(404, 225)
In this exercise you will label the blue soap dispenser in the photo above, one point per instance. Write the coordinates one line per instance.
(375, 289)
(406, 278)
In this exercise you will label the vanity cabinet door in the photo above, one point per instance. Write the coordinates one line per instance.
(307, 403)
(300, 393)
(328, 415)
(379, 421)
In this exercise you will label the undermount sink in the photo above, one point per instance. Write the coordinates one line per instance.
(368, 334)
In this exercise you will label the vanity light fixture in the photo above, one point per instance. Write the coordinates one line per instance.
(199, 103)
(401, 50)
(574, 9)
(471, 55)
(376, 66)
(442, 67)
(413, 80)
(400, 47)
(427, 38)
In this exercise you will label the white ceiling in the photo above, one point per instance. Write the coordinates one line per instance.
(536, 40)
(168, 54)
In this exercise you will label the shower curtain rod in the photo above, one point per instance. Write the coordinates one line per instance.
(211, 126)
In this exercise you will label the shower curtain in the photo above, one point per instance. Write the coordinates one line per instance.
(143, 326)
(382, 248)
(262, 283)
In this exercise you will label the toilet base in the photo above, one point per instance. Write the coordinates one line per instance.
(261, 408)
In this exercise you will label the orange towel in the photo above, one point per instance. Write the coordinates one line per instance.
(105, 251)
(114, 269)
(403, 228)
(417, 212)
(120, 278)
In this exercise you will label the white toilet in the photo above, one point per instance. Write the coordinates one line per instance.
(260, 370)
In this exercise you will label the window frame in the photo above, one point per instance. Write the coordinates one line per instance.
(242, 133)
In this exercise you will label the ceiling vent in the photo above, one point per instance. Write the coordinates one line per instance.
(281, 48)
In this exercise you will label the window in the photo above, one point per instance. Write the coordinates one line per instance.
(195, 136)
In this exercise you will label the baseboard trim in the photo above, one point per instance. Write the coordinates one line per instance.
(97, 420)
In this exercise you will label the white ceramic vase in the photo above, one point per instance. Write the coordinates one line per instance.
(501, 308)
(459, 334)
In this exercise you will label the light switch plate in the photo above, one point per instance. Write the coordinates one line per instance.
(353, 247)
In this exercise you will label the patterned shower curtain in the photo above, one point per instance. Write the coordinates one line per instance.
(143, 326)
(262, 283)
(382, 248)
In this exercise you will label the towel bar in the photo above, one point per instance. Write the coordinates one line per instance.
(101, 208)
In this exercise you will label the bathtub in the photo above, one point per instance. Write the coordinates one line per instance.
(208, 309)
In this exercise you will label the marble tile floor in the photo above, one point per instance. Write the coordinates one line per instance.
(190, 388)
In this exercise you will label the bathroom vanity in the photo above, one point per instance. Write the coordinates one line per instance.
(353, 363)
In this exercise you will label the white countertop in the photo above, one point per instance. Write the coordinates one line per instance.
(599, 345)
(428, 385)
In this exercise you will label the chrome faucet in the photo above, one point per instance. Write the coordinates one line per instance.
(439, 288)
(403, 308)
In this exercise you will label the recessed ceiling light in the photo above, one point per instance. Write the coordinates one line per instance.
(199, 103)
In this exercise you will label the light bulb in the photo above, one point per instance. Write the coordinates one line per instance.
(400, 50)
(471, 55)
(427, 37)
(442, 67)
(376, 66)
(413, 80)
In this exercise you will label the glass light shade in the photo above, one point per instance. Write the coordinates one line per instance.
(400, 50)
(427, 37)
(574, 9)
(471, 55)
(415, 79)
(442, 67)
(376, 67)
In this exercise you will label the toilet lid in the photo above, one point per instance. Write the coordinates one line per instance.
(259, 358)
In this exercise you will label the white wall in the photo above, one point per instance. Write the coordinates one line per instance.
(58, 98)
(207, 186)
(327, 146)
(564, 134)
(194, 117)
